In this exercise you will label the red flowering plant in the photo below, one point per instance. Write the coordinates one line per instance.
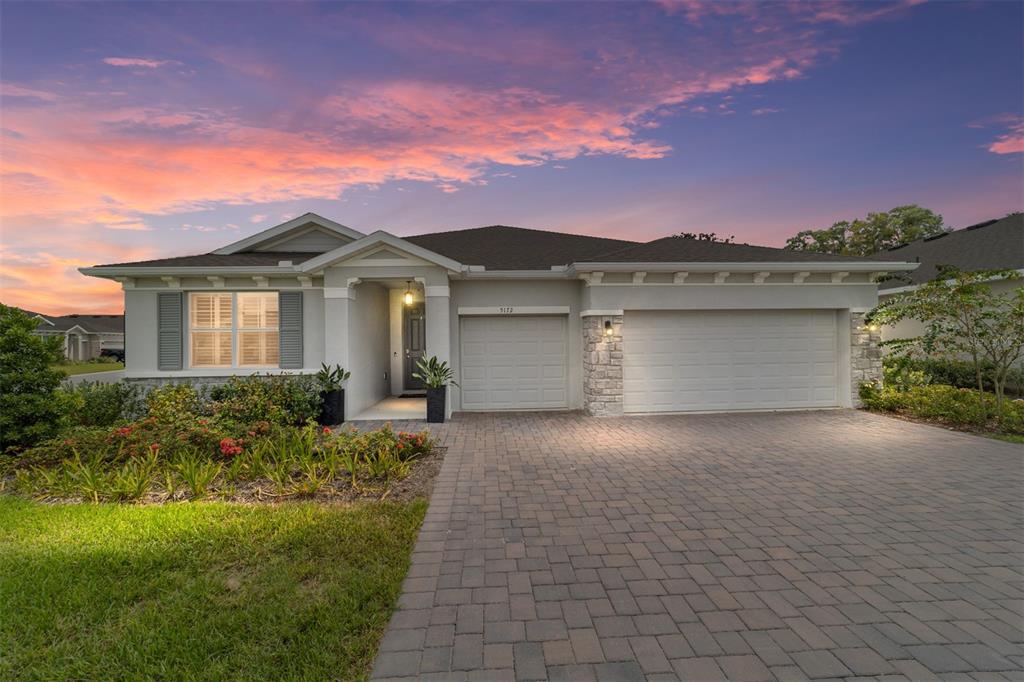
(411, 445)
(231, 447)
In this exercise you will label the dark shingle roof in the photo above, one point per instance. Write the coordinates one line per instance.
(100, 324)
(33, 313)
(682, 250)
(500, 247)
(992, 245)
(253, 258)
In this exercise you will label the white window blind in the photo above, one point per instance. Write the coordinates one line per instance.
(257, 330)
(233, 329)
(210, 330)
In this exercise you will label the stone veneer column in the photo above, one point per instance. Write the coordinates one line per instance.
(602, 366)
(865, 354)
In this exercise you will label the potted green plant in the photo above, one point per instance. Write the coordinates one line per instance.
(436, 374)
(332, 393)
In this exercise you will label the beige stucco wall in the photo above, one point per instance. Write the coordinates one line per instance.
(369, 343)
(141, 327)
(359, 327)
(697, 296)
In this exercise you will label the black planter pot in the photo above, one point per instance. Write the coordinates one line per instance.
(332, 407)
(435, 404)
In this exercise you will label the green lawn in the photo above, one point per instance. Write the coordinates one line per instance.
(1008, 437)
(198, 590)
(89, 367)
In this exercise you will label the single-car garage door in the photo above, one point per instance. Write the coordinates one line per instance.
(729, 360)
(513, 363)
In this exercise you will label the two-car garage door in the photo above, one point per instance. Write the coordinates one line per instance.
(673, 361)
(514, 363)
(680, 361)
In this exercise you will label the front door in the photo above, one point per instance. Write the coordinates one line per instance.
(414, 333)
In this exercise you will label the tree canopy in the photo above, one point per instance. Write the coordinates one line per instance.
(705, 237)
(876, 232)
(28, 408)
(962, 316)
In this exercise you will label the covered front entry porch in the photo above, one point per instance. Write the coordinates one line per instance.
(394, 408)
(379, 328)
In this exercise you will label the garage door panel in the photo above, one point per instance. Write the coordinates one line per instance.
(719, 360)
(514, 362)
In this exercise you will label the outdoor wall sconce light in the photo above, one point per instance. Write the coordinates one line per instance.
(408, 294)
(608, 331)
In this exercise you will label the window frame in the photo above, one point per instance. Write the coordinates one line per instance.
(237, 328)
(235, 350)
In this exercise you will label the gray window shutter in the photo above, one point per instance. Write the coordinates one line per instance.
(170, 330)
(289, 311)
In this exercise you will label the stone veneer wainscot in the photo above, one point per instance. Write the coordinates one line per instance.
(602, 366)
(865, 355)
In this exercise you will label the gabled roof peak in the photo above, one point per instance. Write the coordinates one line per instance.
(279, 232)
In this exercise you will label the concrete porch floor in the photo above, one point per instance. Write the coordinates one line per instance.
(393, 408)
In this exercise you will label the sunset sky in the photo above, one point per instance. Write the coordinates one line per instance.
(144, 130)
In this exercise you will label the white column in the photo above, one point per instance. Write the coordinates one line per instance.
(438, 311)
(336, 330)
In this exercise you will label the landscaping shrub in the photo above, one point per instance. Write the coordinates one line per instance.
(958, 373)
(280, 399)
(178, 461)
(1012, 419)
(962, 407)
(174, 404)
(29, 408)
(102, 404)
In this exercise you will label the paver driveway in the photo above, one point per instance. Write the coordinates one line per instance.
(791, 545)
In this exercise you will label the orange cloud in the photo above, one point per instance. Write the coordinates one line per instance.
(49, 282)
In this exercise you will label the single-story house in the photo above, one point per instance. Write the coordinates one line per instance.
(85, 336)
(991, 245)
(528, 319)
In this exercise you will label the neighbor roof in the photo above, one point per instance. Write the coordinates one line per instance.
(96, 324)
(991, 245)
(32, 313)
(500, 247)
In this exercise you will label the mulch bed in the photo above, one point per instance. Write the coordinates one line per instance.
(962, 428)
(418, 484)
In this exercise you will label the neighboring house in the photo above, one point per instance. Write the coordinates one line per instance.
(991, 245)
(85, 336)
(529, 319)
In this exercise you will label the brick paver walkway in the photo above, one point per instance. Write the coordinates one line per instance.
(793, 545)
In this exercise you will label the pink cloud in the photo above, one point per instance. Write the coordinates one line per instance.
(15, 90)
(1011, 142)
(97, 161)
(138, 62)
